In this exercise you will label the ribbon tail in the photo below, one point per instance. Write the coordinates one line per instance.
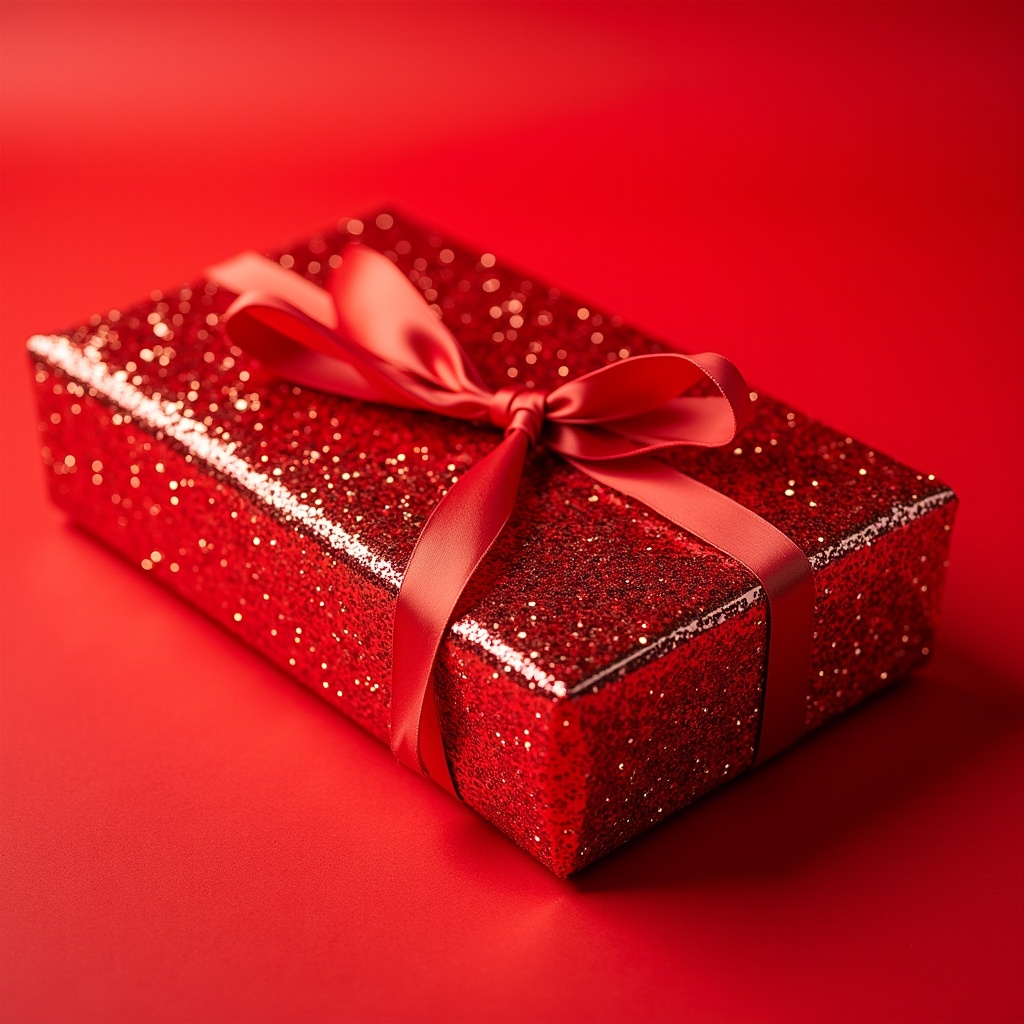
(456, 537)
(782, 568)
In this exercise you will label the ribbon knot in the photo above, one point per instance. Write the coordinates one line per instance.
(517, 408)
(370, 335)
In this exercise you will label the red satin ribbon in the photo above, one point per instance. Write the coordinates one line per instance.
(370, 335)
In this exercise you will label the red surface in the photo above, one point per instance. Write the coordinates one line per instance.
(189, 835)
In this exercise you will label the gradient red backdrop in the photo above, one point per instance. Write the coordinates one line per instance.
(833, 196)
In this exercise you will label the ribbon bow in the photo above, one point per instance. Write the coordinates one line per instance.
(370, 335)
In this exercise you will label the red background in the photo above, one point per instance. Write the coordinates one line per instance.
(831, 195)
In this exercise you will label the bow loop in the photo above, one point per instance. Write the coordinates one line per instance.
(629, 387)
(382, 312)
(640, 405)
(646, 391)
(299, 348)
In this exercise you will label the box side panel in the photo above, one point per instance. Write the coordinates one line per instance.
(670, 731)
(206, 540)
(519, 757)
(282, 593)
(686, 723)
(876, 609)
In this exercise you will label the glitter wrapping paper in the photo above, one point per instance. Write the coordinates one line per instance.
(604, 668)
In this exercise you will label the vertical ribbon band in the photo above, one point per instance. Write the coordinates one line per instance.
(371, 336)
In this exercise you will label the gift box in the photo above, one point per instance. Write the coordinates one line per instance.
(604, 666)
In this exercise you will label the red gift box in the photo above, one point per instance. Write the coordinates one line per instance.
(604, 667)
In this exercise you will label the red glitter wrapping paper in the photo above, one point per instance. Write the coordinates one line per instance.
(604, 668)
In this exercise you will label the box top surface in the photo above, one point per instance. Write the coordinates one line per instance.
(584, 582)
